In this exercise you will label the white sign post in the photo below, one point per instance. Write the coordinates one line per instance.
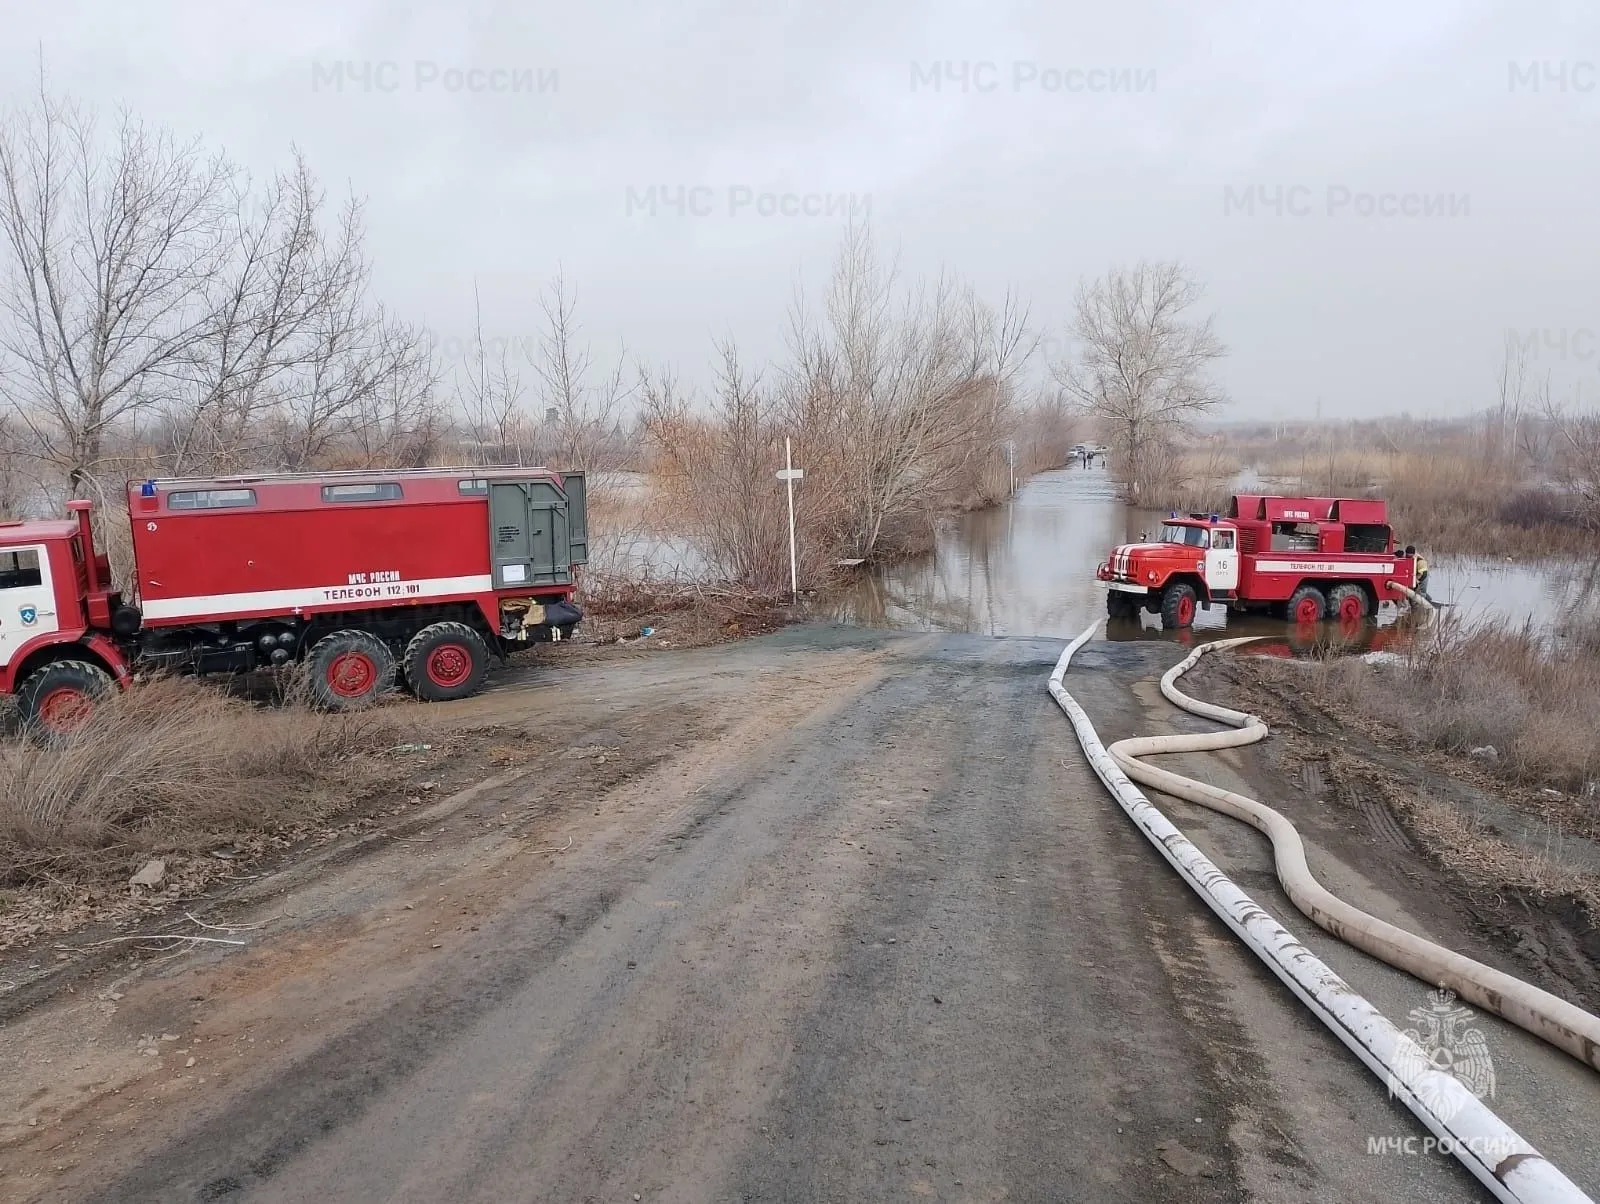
(789, 474)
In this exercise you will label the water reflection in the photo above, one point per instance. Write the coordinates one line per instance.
(1026, 568)
(1547, 594)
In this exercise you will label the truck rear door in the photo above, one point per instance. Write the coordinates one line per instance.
(577, 491)
(531, 533)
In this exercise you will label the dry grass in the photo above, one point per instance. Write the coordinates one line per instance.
(1474, 686)
(173, 767)
(1476, 850)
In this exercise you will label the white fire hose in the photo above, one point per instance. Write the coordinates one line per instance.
(1505, 1163)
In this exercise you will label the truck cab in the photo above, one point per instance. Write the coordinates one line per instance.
(1194, 559)
(55, 607)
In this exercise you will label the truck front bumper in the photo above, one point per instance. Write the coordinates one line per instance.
(1128, 587)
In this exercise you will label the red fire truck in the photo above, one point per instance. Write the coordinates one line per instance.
(365, 577)
(1304, 558)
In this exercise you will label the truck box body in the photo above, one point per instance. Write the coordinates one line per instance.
(222, 549)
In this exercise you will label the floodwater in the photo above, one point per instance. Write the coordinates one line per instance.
(1026, 568)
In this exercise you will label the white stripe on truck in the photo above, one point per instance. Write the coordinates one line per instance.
(317, 597)
(1320, 566)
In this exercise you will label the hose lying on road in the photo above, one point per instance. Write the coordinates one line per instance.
(1541, 1013)
(1505, 1163)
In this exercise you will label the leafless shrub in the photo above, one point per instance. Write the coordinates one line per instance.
(901, 403)
(715, 471)
(1577, 461)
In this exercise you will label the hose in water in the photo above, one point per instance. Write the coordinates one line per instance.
(1483, 1143)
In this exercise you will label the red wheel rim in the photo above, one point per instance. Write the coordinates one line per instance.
(1185, 611)
(352, 674)
(1350, 608)
(65, 709)
(449, 665)
(1306, 612)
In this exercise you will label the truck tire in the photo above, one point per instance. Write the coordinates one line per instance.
(1347, 603)
(1308, 605)
(1119, 605)
(349, 669)
(1178, 604)
(446, 661)
(60, 698)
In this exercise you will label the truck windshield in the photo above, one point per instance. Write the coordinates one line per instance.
(1194, 537)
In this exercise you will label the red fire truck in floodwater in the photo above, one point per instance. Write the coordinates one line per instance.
(1303, 558)
(365, 577)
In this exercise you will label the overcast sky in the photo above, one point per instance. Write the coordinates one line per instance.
(1433, 196)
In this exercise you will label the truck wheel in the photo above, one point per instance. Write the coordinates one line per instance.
(1348, 603)
(446, 661)
(60, 698)
(1119, 605)
(349, 669)
(1178, 604)
(1308, 605)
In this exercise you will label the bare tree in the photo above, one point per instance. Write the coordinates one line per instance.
(1142, 365)
(399, 423)
(581, 424)
(490, 396)
(1504, 432)
(156, 311)
(103, 301)
(261, 305)
(715, 469)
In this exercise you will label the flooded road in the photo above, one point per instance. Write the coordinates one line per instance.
(1027, 569)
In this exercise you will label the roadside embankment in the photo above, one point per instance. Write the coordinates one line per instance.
(1476, 750)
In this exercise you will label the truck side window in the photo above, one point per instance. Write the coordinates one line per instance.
(19, 568)
(377, 491)
(1222, 540)
(210, 499)
(479, 486)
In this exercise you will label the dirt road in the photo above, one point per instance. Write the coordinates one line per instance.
(826, 915)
